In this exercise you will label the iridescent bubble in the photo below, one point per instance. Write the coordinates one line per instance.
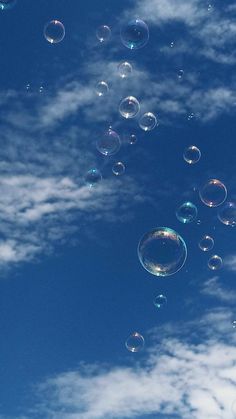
(148, 121)
(102, 88)
(118, 168)
(192, 154)
(133, 139)
(135, 342)
(213, 193)
(125, 69)
(109, 143)
(162, 251)
(160, 301)
(103, 33)
(215, 262)
(234, 324)
(206, 243)
(135, 34)
(93, 177)
(54, 31)
(7, 4)
(129, 107)
(227, 214)
(187, 212)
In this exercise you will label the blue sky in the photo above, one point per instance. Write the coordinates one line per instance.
(72, 288)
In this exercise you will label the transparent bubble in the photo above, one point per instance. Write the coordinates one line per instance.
(192, 154)
(172, 44)
(54, 31)
(102, 88)
(41, 89)
(133, 139)
(191, 116)
(129, 107)
(118, 168)
(234, 324)
(160, 301)
(93, 177)
(125, 69)
(187, 212)
(103, 33)
(162, 251)
(135, 34)
(135, 342)
(109, 143)
(180, 74)
(28, 87)
(148, 121)
(206, 243)
(7, 4)
(215, 262)
(213, 193)
(227, 214)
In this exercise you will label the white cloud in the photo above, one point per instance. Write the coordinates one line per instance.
(230, 263)
(213, 288)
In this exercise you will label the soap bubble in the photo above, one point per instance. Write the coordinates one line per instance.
(129, 107)
(135, 34)
(206, 243)
(109, 143)
(125, 69)
(162, 251)
(234, 324)
(103, 33)
(148, 121)
(135, 342)
(180, 74)
(7, 4)
(160, 301)
(118, 168)
(227, 214)
(213, 193)
(215, 262)
(192, 154)
(133, 139)
(186, 213)
(92, 177)
(54, 31)
(102, 88)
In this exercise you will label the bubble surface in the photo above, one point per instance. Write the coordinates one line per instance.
(162, 251)
(7, 4)
(125, 69)
(54, 31)
(135, 34)
(206, 243)
(129, 107)
(102, 88)
(213, 193)
(227, 214)
(135, 342)
(160, 301)
(192, 154)
(215, 262)
(103, 33)
(148, 121)
(109, 143)
(93, 177)
(118, 168)
(187, 212)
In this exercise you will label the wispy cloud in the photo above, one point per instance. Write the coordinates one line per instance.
(213, 288)
(230, 263)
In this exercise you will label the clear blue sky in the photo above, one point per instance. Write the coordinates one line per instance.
(72, 288)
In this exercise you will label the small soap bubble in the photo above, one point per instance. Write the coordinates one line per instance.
(102, 88)
(187, 212)
(172, 44)
(132, 139)
(180, 74)
(160, 301)
(209, 7)
(162, 251)
(192, 154)
(118, 168)
(234, 324)
(125, 69)
(227, 214)
(54, 31)
(41, 89)
(28, 87)
(129, 107)
(7, 4)
(109, 143)
(103, 33)
(213, 193)
(190, 116)
(135, 342)
(135, 34)
(93, 177)
(206, 243)
(148, 121)
(215, 262)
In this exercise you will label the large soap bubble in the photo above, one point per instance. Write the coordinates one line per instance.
(135, 34)
(129, 107)
(54, 31)
(7, 4)
(109, 143)
(227, 214)
(162, 251)
(187, 212)
(135, 342)
(213, 193)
